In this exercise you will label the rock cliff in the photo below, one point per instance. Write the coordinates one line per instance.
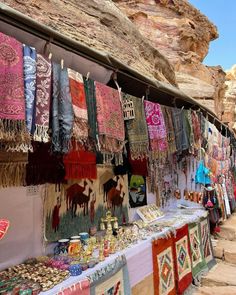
(181, 33)
(102, 26)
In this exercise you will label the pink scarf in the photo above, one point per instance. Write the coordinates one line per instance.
(110, 123)
(156, 127)
(12, 106)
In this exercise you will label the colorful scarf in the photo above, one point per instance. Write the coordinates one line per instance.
(13, 129)
(110, 123)
(137, 130)
(62, 110)
(156, 127)
(30, 85)
(80, 127)
(196, 129)
(12, 168)
(44, 166)
(138, 166)
(89, 87)
(181, 138)
(43, 96)
(80, 164)
(169, 129)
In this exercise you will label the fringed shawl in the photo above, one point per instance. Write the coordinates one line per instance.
(43, 97)
(156, 127)
(80, 127)
(13, 129)
(110, 123)
(30, 85)
(62, 110)
(169, 129)
(137, 130)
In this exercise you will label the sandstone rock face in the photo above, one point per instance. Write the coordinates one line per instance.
(182, 34)
(102, 26)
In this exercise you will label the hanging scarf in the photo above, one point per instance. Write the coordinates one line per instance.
(156, 127)
(44, 166)
(62, 110)
(43, 96)
(138, 166)
(188, 128)
(13, 129)
(89, 87)
(30, 85)
(181, 138)
(80, 127)
(196, 129)
(137, 130)
(80, 164)
(110, 123)
(169, 129)
(12, 168)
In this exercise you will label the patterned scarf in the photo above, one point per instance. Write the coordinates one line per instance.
(110, 123)
(80, 127)
(13, 129)
(196, 129)
(62, 110)
(43, 96)
(156, 127)
(137, 130)
(181, 138)
(169, 129)
(89, 87)
(30, 85)
(188, 127)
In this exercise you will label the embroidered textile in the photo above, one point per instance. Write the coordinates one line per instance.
(80, 288)
(4, 225)
(112, 279)
(181, 138)
(163, 267)
(81, 204)
(62, 111)
(43, 97)
(110, 123)
(89, 87)
(80, 127)
(196, 247)
(137, 130)
(12, 106)
(138, 166)
(182, 259)
(137, 191)
(167, 113)
(156, 126)
(206, 243)
(30, 85)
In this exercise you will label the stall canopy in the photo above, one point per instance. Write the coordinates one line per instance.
(100, 65)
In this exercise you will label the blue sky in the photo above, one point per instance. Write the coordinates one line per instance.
(223, 14)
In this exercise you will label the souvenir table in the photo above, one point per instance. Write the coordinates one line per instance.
(139, 256)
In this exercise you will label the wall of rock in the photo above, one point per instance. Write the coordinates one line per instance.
(181, 33)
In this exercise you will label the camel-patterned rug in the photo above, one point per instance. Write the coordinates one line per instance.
(81, 204)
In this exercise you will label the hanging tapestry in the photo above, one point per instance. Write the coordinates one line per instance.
(110, 123)
(43, 97)
(89, 87)
(44, 166)
(12, 168)
(169, 129)
(183, 272)
(196, 249)
(12, 108)
(137, 191)
(81, 204)
(206, 242)
(163, 267)
(80, 288)
(181, 138)
(62, 110)
(30, 85)
(112, 279)
(156, 127)
(80, 127)
(137, 130)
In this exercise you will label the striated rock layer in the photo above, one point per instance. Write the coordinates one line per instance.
(181, 33)
(102, 26)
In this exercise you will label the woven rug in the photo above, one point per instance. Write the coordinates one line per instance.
(183, 272)
(80, 288)
(197, 258)
(112, 279)
(206, 243)
(163, 267)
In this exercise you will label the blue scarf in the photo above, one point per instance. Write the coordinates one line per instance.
(29, 85)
